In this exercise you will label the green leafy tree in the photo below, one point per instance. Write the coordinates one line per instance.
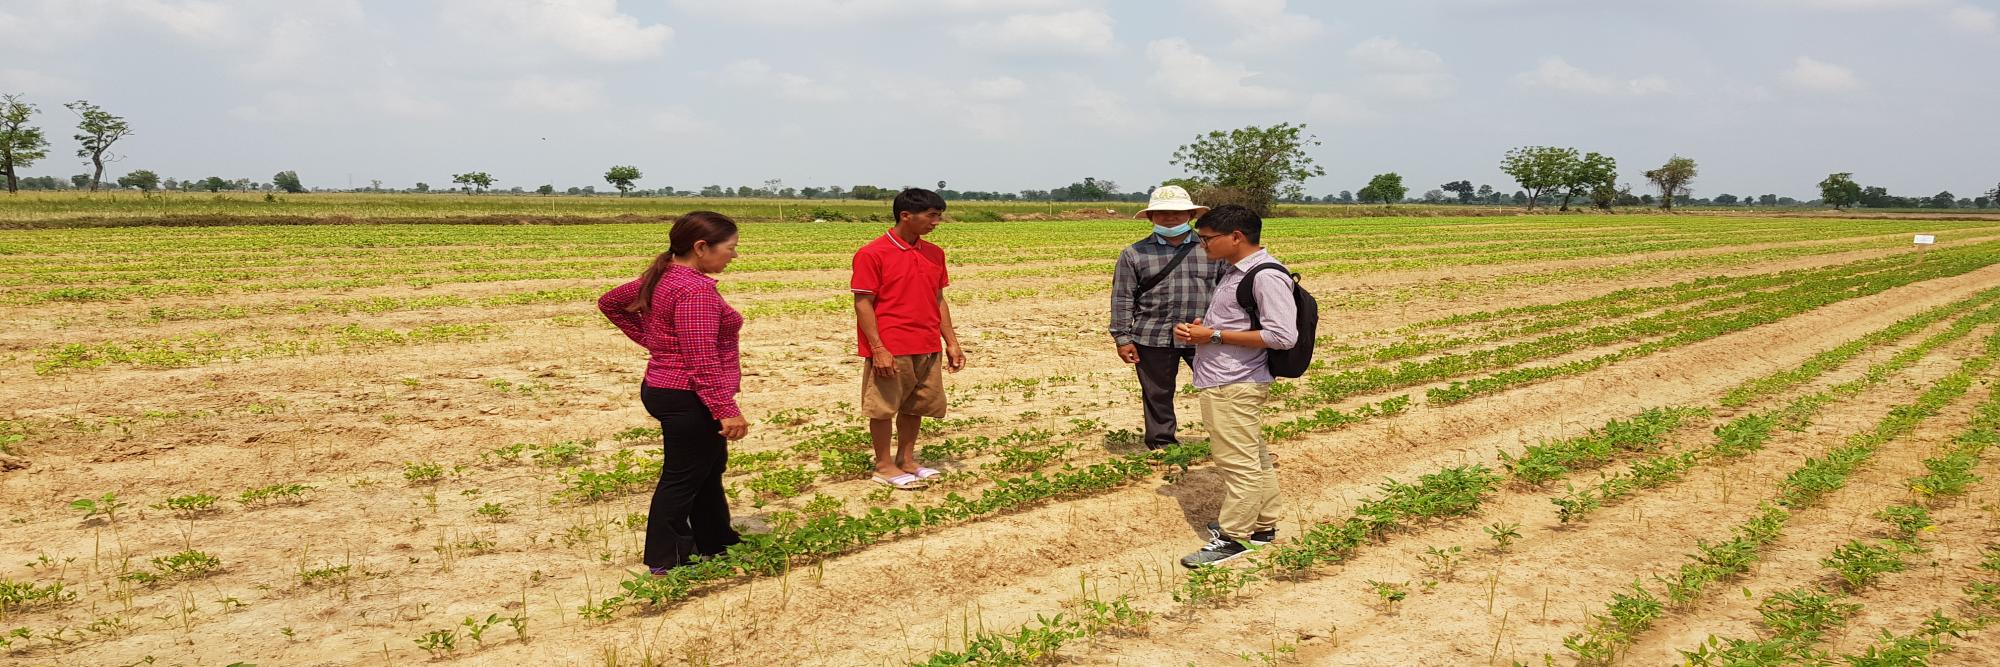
(1725, 199)
(1942, 200)
(289, 181)
(1994, 194)
(1539, 170)
(1839, 190)
(1386, 188)
(1672, 179)
(621, 177)
(97, 131)
(1982, 201)
(1259, 163)
(21, 145)
(1596, 177)
(479, 181)
(1463, 188)
(80, 181)
(214, 184)
(143, 179)
(546, 189)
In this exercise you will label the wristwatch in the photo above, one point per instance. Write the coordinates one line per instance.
(1215, 337)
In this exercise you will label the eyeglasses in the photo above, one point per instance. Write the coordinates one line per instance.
(1205, 238)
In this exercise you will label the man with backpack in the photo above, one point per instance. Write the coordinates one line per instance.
(1162, 280)
(1258, 326)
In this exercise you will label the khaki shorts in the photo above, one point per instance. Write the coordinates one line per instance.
(917, 388)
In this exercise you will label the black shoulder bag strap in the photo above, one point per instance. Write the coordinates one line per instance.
(1154, 281)
(1246, 295)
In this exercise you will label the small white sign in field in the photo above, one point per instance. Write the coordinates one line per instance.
(1925, 239)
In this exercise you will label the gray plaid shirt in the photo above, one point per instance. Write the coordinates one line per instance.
(1180, 298)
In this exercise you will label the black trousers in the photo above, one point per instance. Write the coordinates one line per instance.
(690, 515)
(1159, 378)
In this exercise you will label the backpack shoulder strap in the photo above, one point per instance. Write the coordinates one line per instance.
(1148, 283)
(1246, 295)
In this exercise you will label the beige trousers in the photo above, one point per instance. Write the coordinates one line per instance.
(1233, 414)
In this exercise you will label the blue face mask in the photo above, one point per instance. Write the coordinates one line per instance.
(1170, 232)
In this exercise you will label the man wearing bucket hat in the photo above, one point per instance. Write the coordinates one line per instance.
(1162, 280)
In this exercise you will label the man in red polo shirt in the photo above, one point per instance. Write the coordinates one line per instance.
(901, 315)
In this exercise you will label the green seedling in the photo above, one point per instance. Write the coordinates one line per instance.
(1442, 562)
(323, 575)
(1210, 583)
(476, 629)
(188, 564)
(189, 506)
(1859, 564)
(1908, 520)
(493, 512)
(1504, 534)
(106, 506)
(423, 472)
(438, 643)
(1389, 593)
(275, 493)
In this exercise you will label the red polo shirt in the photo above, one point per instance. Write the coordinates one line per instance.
(906, 280)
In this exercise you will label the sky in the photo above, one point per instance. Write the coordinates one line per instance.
(1768, 96)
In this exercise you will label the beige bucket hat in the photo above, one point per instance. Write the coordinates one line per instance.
(1171, 198)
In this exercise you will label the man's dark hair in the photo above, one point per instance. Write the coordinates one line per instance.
(916, 200)
(1232, 218)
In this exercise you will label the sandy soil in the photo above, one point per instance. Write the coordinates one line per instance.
(419, 559)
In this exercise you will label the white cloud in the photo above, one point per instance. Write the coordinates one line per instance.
(1413, 86)
(1083, 31)
(1852, 5)
(997, 88)
(1181, 73)
(1973, 19)
(538, 93)
(1383, 53)
(1961, 16)
(755, 75)
(1397, 70)
(389, 100)
(1558, 74)
(1820, 77)
(39, 85)
(1264, 25)
(1340, 109)
(194, 19)
(677, 120)
(1105, 109)
(592, 29)
(820, 13)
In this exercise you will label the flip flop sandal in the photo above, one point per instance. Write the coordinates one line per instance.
(903, 482)
(927, 473)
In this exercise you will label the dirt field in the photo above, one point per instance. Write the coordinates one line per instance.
(425, 445)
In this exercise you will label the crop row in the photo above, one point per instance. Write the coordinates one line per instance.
(205, 348)
(1798, 619)
(820, 537)
(1747, 434)
(1677, 328)
(1609, 633)
(1528, 320)
(1782, 305)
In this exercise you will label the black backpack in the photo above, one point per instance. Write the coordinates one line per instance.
(1284, 363)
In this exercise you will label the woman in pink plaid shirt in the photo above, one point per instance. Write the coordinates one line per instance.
(675, 312)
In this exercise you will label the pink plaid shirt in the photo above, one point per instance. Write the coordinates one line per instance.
(691, 333)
